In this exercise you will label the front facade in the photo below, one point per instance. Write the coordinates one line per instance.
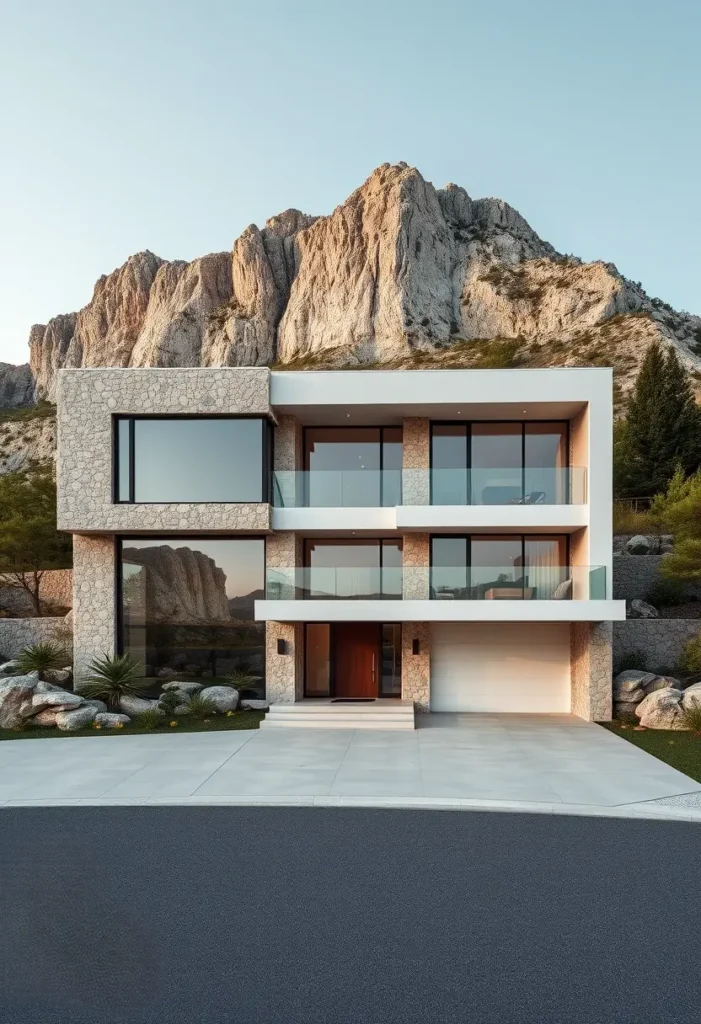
(435, 537)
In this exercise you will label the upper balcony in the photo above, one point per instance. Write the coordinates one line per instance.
(526, 498)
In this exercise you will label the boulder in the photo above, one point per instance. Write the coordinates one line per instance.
(167, 672)
(46, 718)
(111, 721)
(45, 687)
(130, 705)
(57, 699)
(624, 709)
(183, 686)
(692, 696)
(629, 682)
(662, 710)
(14, 692)
(642, 610)
(9, 668)
(255, 705)
(660, 682)
(221, 698)
(99, 705)
(639, 545)
(71, 721)
(59, 676)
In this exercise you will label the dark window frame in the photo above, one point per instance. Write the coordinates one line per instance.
(355, 426)
(117, 418)
(468, 537)
(468, 424)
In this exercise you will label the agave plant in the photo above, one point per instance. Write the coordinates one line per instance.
(199, 707)
(42, 657)
(113, 677)
(149, 720)
(692, 717)
(241, 679)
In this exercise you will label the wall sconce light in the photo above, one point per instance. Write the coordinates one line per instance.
(415, 645)
(281, 646)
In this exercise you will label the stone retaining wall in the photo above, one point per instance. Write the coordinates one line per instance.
(56, 588)
(661, 640)
(16, 634)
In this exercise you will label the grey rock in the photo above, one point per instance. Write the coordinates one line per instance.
(630, 681)
(642, 610)
(221, 698)
(136, 705)
(57, 699)
(45, 687)
(639, 545)
(110, 721)
(691, 697)
(662, 710)
(14, 692)
(9, 668)
(46, 718)
(255, 705)
(99, 705)
(70, 721)
(59, 676)
(660, 682)
(183, 686)
(624, 709)
(166, 672)
(16, 386)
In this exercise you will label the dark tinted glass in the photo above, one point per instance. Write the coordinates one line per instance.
(392, 456)
(496, 567)
(496, 459)
(196, 460)
(391, 660)
(449, 572)
(343, 466)
(187, 609)
(368, 569)
(449, 464)
(317, 659)
(546, 459)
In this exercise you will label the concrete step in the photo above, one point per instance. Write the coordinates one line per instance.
(322, 723)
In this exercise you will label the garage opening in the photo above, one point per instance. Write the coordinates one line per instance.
(518, 667)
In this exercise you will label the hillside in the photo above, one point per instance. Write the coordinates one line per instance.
(400, 274)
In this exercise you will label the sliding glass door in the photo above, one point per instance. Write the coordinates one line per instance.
(499, 567)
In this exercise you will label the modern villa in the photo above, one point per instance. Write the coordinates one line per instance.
(360, 544)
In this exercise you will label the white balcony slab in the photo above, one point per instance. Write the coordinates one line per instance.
(504, 518)
(334, 520)
(439, 611)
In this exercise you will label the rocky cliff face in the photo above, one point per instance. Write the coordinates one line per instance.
(401, 273)
(184, 585)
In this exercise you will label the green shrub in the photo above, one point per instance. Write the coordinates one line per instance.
(113, 677)
(499, 355)
(171, 699)
(690, 660)
(666, 593)
(241, 679)
(692, 716)
(198, 707)
(42, 657)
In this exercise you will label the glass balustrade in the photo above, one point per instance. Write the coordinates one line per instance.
(438, 583)
(377, 488)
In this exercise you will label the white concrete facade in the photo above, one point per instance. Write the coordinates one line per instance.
(292, 401)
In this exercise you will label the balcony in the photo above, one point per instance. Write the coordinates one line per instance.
(389, 488)
(457, 593)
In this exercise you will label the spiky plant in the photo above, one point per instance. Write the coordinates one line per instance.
(149, 720)
(692, 716)
(113, 677)
(42, 657)
(199, 707)
(241, 679)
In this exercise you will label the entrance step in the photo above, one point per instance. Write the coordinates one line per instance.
(388, 714)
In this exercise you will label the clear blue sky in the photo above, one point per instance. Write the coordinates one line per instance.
(171, 125)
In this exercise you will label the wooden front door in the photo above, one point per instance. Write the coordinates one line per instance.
(356, 659)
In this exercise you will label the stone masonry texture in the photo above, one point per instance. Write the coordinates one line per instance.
(416, 460)
(659, 641)
(16, 634)
(87, 402)
(591, 670)
(93, 600)
(416, 668)
(284, 672)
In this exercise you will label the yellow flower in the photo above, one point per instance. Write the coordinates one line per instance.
(119, 725)
(96, 725)
(229, 714)
(172, 723)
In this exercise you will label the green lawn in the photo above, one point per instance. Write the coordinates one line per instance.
(218, 723)
(682, 750)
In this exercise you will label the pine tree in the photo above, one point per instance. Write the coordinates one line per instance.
(663, 428)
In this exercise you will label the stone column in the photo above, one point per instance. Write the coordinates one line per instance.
(287, 458)
(591, 646)
(284, 672)
(416, 668)
(416, 459)
(415, 566)
(94, 612)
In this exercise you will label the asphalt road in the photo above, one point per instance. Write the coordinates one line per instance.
(179, 915)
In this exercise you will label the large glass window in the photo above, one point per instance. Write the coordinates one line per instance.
(499, 463)
(186, 608)
(352, 467)
(369, 569)
(191, 459)
(513, 566)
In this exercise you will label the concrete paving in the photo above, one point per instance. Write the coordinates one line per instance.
(555, 763)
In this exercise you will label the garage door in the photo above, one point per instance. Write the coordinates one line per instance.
(500, 666)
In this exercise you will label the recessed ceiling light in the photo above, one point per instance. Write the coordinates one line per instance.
(348, 415)
(525, 410)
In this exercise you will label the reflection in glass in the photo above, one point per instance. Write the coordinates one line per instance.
(353, 467)
(369, 569)
(449, 568)
(391, 660)
(449, 464)
(545, 461)
(192, 459)
(496, 567)
(496, 459)
(546, 565)
(187, 608)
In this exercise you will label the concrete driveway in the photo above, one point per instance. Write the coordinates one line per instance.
(541, 762)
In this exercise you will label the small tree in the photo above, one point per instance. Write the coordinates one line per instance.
(662, 430)
(678, 510)
(29, 541)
